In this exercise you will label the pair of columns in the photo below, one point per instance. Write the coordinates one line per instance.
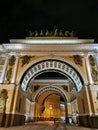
(14, 70)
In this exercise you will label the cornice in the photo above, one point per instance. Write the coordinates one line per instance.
(51, 47)
(51, 40)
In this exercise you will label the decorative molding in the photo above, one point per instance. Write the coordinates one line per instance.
(95, 114)
(25, 60)
(15, 113)
(65, 87)
(12, 60)
(94, 87)
(7, 86)
(78, 59)
(86, 114)
(59, 45)
(92, 60)
(48, 65)
(68, 104)
(36, 87)
(53, 81)
(44, 89)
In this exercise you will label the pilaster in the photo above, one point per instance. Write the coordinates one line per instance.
(4, 69)
(88, 99)
(87, 65)
(15, 69)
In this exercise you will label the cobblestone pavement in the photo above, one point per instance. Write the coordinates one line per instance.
(46, 126)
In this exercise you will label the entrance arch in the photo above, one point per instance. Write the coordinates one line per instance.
(52, 65)
(50, 101)
(54, 88)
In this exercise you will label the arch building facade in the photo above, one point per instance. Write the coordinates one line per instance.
(25, 93)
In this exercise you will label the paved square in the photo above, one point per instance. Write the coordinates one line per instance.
(47, 126)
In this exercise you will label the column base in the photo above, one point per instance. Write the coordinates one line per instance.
(11, 119)
(69, 120)
(88, 121)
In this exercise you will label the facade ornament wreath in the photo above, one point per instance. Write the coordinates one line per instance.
(78, 59)
(25, 60)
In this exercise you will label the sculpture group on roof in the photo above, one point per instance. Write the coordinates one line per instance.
(54, 33)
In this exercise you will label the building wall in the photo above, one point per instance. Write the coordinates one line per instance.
(15, 63)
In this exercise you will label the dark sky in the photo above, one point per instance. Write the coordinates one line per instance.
(18, 16)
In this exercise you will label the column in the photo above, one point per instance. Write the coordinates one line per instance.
(4, 69)
(88, 100)
(90, 80)
(97, 59)
(32, 111)
(27, 110)
(97, 64)
(15, 69)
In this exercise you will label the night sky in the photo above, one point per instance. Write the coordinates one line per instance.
(17, 17)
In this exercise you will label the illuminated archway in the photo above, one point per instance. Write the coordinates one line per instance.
(54, 88)
(48, 103)
(52, 65)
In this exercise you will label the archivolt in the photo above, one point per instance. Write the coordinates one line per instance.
(44, 89)
(52, 64)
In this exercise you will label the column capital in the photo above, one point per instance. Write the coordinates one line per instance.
(15, 54)
(85, 55)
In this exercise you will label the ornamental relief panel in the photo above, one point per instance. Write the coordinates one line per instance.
(78, 59)
(92, 60)
(12, 60)
(65, 87)
(23, 62)
(27, 59)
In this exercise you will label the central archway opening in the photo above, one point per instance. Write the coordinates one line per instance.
(51, 106)
(51, 91)
(51, 75)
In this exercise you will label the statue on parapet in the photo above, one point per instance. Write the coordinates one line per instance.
(54, 33)
(47, 33)
(41, 33)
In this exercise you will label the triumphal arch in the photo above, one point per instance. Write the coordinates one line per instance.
(47, 78)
